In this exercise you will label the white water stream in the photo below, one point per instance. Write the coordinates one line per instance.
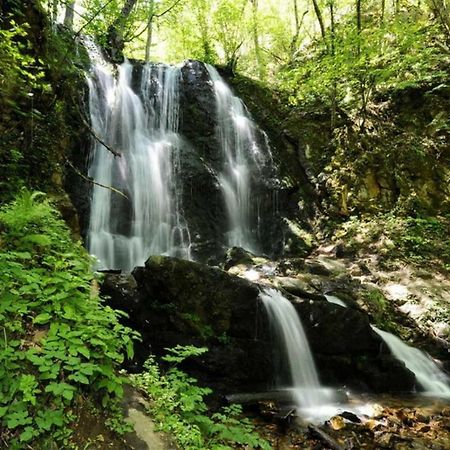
(242, 154)
(305, 384)
(433, 380)
(143, 128)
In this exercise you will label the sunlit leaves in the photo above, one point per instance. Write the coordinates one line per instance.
(58, 338)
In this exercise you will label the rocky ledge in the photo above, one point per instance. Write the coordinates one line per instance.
(172, 301)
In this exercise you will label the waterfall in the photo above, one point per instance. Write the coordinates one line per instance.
(308, 392)
(432, 379)
(236, 133)
(143, 128)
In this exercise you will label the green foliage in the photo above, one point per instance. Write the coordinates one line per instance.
(416, 240)
(178, 407)
(39, 78)
(58, 339)
(399, 54)
(19, 73)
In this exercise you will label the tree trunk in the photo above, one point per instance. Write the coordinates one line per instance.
(358, 25)
(333, 52)
(319, 19)
(383, 9)
(69, 16)
(115, 43)
(151, 14)
(257, 48)
(441, 11)
(54, 11)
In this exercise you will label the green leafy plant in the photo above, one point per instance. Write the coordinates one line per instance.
(58, 339)
(178, 407)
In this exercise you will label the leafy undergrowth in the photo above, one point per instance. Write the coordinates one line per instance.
(58, 341)
(177, 406)
(420, 241)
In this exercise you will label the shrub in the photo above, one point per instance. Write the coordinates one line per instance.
(58, 339)
(178, 407)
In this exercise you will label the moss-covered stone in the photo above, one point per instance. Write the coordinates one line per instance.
(399, 160)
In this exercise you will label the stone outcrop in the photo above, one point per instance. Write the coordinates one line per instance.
(172, 301)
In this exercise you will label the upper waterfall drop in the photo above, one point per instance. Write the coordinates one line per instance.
(143, 128)
(242, 155)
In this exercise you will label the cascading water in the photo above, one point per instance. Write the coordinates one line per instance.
(335, 300)
(433, 380)
(236, 133)
(143, 128)
(304, 381)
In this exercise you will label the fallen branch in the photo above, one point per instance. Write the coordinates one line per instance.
(91, 180)
(91, 130)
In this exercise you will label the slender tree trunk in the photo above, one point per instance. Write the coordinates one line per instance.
(54, 10)
(332, 29)
(115, 31)
(257, 48)
(69, 15)
(362, 78)
(319, 19)
(358, 25)
(151, 14)
(333, 53)
(383, 9)
(441, 11)
(294, 41)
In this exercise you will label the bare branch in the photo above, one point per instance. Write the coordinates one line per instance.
(168, 9)
(91, 180)
(94, 134)
(93, 17)
(98, 138)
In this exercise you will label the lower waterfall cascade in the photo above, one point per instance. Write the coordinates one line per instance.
(291, 338)
(431, 378)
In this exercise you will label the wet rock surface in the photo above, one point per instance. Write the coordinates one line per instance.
(182, 302)
(424, 426)
(172, 301)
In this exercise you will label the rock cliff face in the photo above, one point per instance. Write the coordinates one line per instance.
(399, 160)
(201, 161)
(172, 301)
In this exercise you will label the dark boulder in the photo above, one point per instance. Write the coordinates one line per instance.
(172, 301)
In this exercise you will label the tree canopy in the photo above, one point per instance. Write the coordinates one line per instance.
(337, 49)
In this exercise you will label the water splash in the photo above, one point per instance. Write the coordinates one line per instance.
(143, 128)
